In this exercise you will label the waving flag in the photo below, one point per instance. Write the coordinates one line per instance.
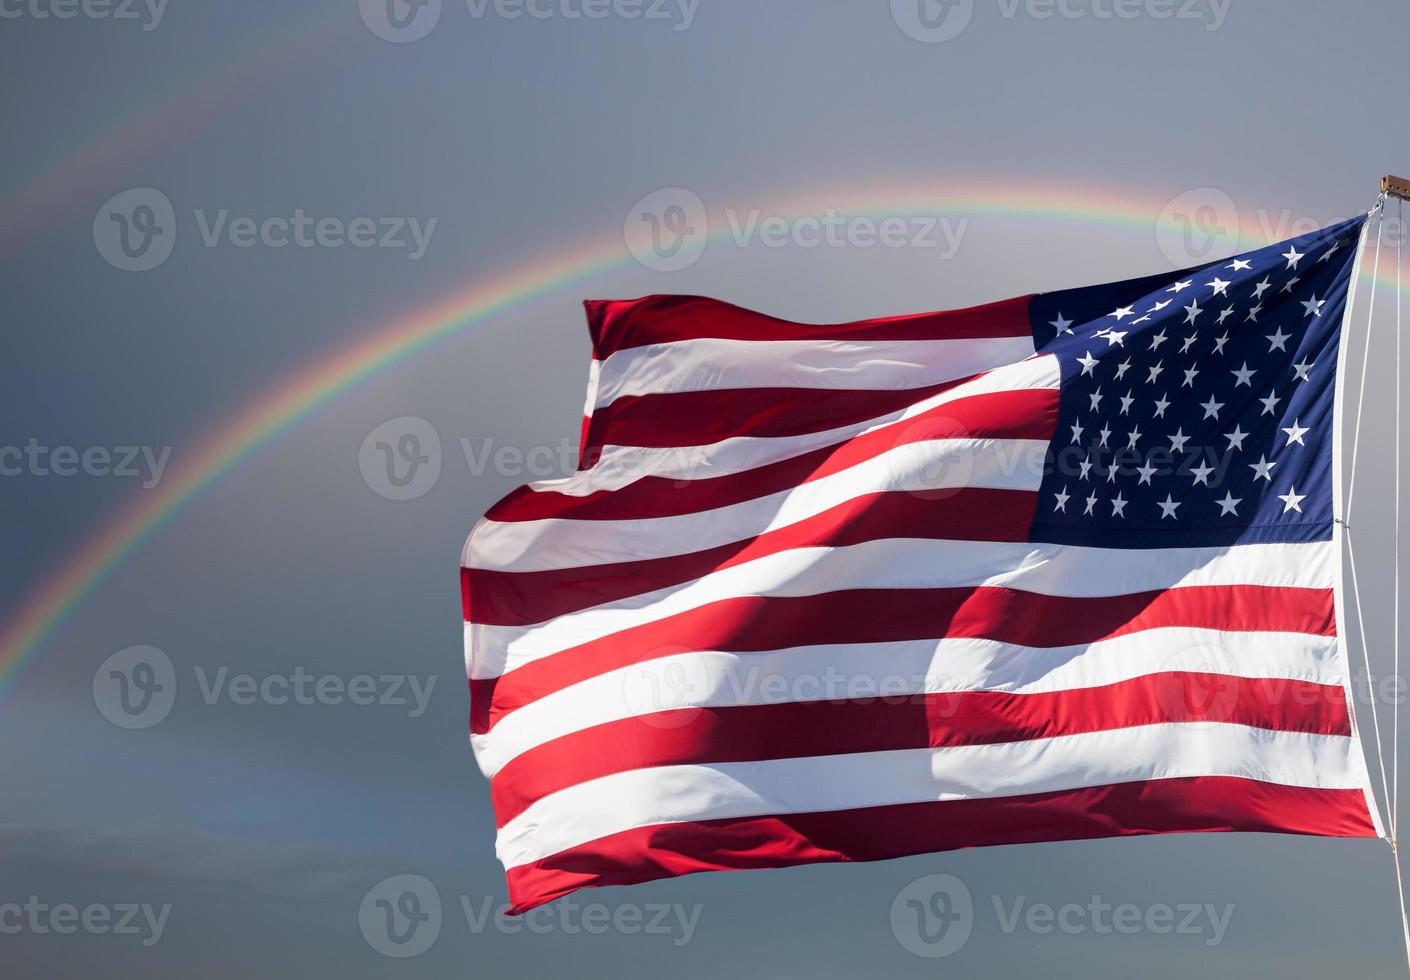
(1059, 567)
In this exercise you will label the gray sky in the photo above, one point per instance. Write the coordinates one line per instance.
(1039, 147)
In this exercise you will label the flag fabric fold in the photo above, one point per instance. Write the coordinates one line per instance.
(1059, 567)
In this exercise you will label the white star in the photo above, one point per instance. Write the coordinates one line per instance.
(1293, 256)
(1122, 312)
(1189, 381)
(1239, 264)
(1086, 466)
(1062, 499)
(1219, 343)
(1262, 287)
(1288, 286)
(1295, 433)
(1263, 470)
(1189, 342)
(1270, 404)
(1132, 437)
(1155, 372)
(1180, 286)
(1201, 472)
(1091, 502)
(1116, 337)
(1088, 362)
(1243, 376)
(1062, 326)
(1278, 340)
(1328, 253)
(1292, 500)
(1253, 312)
(1167, 507)
(1105, 433)
(1160, 406)
(1157, 340)
(1077, 430)
(1224, 314)
(1211, 408)
(1096, 398)
(1236, 439)
(1126, 401)
(1162, 304)
(1314, 305)
(1219, 285)
(1229, 505)
(1122, 368)
(1302, 369)
(1178, 440)
(1192, 311)
(1147, 471)
(1118, 506)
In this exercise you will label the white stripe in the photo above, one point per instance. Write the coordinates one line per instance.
(833, 672)
(903, 563)
(712, 364)
(732, 790)
(531, 546)
(621, 465)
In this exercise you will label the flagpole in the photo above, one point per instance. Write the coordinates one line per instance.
(1399, 188)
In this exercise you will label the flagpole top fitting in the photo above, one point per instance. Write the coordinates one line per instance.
(1396, 186)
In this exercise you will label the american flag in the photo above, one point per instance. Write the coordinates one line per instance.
(1059, 567)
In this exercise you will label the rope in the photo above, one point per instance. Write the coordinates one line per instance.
(1366, 359)
(1395, 602)
(1366, 662)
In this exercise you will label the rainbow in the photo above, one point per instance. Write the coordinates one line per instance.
(275, 411)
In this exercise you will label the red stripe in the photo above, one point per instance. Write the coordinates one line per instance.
(621, 324)
(969, 514)
(1164, 806)
(1025, 414)
(700, 418)
(797, 729)
(746, 623)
